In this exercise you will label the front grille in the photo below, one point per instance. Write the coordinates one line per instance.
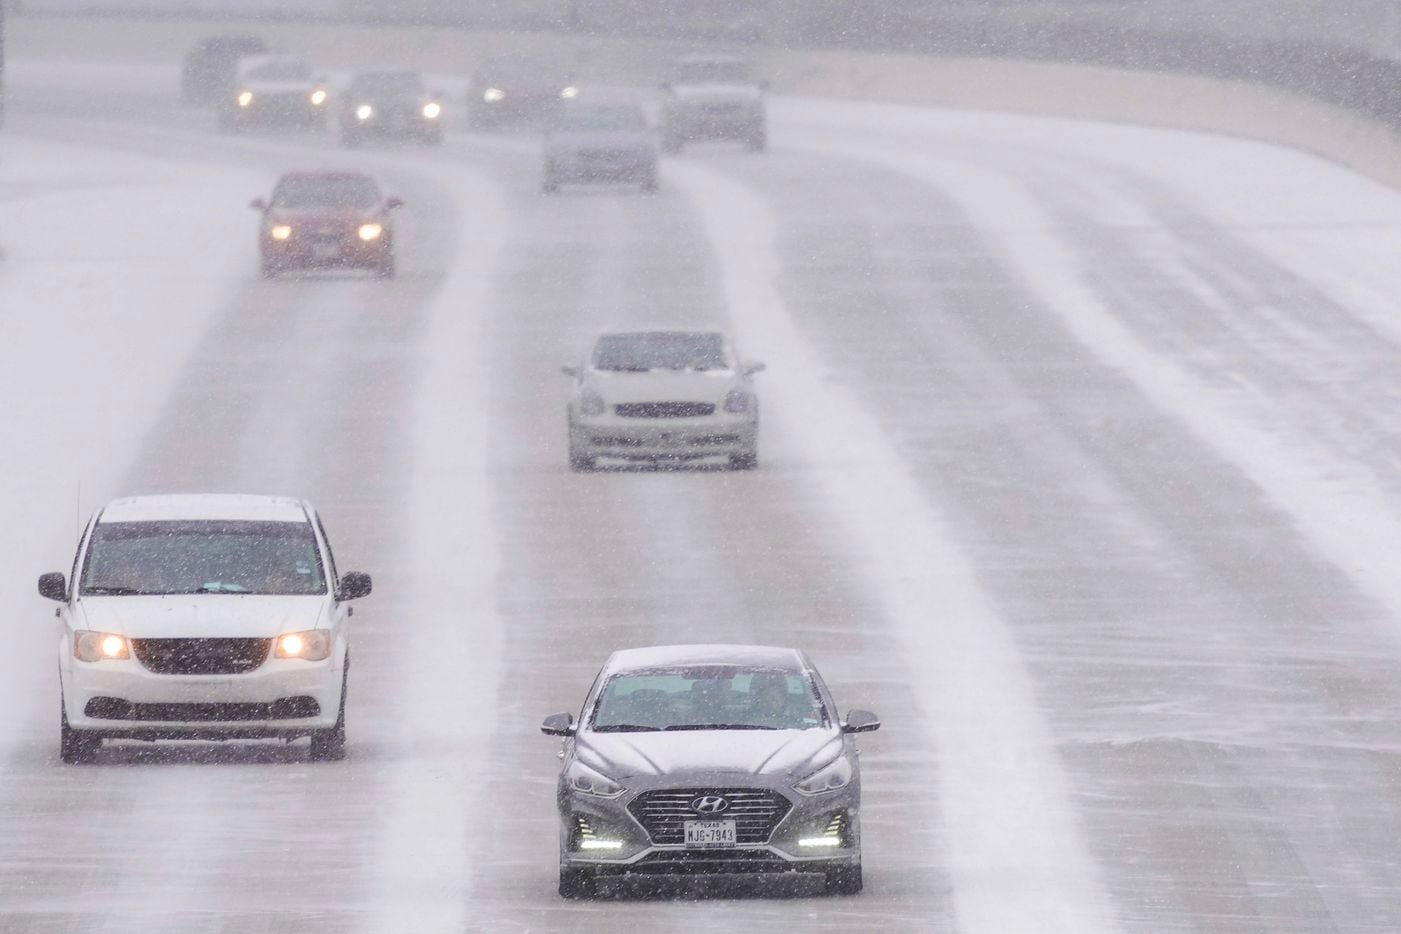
(664, 409)
(285, 708)
(756, 812)
(201, 656)
(716, 862)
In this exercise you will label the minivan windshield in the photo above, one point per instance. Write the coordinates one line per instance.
(708, 697)
(202, 556)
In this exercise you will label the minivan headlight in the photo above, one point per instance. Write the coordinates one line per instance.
(828, 778)
(312, 645)
(91, 646)
(591, 781)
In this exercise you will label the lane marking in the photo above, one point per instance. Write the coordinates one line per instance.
(1016, 856)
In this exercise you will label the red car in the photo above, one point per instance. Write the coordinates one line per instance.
(326, 220)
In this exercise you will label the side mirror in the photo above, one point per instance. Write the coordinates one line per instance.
(558, 724)
(53, 586)
(569, 369)
(392, 203)
(258, 204)
(355, 585)
(751, 368)
(860, 721)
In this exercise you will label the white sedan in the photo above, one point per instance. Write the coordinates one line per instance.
(203, 617)
(663, 395)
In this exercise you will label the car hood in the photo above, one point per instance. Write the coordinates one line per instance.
(601, 139)
(692, 753)
(663, 385)
(231, 616)
(325, 215)
(388, 100)
(280, 87)
(718, 93)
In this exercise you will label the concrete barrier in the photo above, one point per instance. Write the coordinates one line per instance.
(1082, 92)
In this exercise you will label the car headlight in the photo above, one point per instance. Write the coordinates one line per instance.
(245, 98)
(280, 231)
(828, 778)
(313, 645)
(492, 95)
(100, 646)
(591, 781)
(371, 231)
(591, 403)
(364, 112)
(738, 401)
(569, 93)
(432, 110)
(318, 97)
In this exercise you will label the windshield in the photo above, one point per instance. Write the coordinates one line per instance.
(387, 82)
(662, 350)
(201, 556)
(710, 697)
(602, 118)
(282, 70)
(711, 73)
(351, 191)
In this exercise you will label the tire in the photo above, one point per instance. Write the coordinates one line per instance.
(576, 883)
(649, 184)
(844, 880)
(329, 745)
(75, 747)
(269, 270)
(385, 269)
(550, 185)
(757, 140)
(746, 461)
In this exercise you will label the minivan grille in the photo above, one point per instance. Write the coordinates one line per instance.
(664, 409)
(201, 656)
(755, 811)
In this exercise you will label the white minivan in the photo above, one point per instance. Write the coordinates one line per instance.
(207, 617)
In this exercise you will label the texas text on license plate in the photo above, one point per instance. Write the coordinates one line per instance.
(710, 834)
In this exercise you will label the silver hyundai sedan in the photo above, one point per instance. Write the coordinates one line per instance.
(714, 759)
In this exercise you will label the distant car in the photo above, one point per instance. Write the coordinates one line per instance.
(274, 91)
(512, 92)
(663, 395)
(390, 104)
(208, 73)
(326, 219)
(713, 97)
(709, 759)
(203, 617)
(600, 143)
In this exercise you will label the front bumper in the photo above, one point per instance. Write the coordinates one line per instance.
(717, 122)
(305, 251)
(718, 435)
(393, 125)
(278, 111)
(834, 817)
(124, 699)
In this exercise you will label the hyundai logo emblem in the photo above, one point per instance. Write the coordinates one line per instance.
(710, 804)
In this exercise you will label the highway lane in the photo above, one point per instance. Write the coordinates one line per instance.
(1221, 696)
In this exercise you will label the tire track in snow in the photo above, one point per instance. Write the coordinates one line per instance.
(1016, 857)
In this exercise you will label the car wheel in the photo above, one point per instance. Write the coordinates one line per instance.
(749, 460)
(269, 270)
(75, 746)
(576, 883)
(329, 745)
(385, 269)
(844, 880)
(649, 183)
(758, 140)
(550, 185)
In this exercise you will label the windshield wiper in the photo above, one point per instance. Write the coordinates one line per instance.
(719, 726)
(626, 728)
(111, 590)
(218, 587)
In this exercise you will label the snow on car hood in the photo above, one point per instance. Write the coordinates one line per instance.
(718, 93)
(691, 752)
(662, 385)
(234, 616)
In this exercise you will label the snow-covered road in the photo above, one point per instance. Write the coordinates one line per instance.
(1078, 466)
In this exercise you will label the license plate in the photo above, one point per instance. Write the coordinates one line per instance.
(710, 834)
(325, 250)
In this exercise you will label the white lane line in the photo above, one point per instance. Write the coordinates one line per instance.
(1337, 505)
(1016, 856)
(422, 863)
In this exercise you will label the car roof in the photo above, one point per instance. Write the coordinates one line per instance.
(218, 506)
(324, 174)
(667, 656)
